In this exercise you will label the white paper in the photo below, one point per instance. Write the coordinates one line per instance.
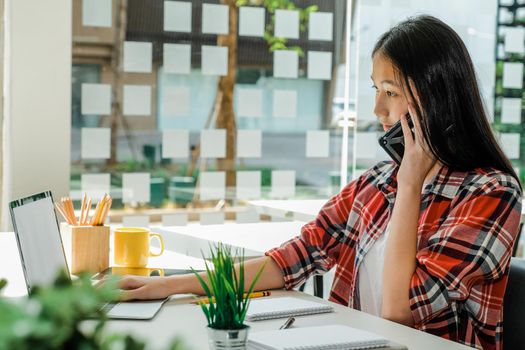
(249, 103)
(212, 218)
(214, 60)
(212, 185)
(317, 144)
(135, 221)
(285, 64)
(511, 110)
(319, 65)
(177, 58)
(367, 144)
(175, 102)
(510, 143)
(248, 216)
(512, 75)
(215, 19)
(175, 143)
(283, 184)
(96, 13)
(177, 16)
(213, 143)
(284, 103)
(248, 185)
(95, 185)
(137, 100)
(251, 21)
(515, 40)
(249, 143)
(135, 187)
(320, 26)
(95, 143)
(287, 24)
(179, 219)
(137, 57)
(96, 99)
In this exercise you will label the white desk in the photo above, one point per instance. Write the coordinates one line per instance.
(297, 209)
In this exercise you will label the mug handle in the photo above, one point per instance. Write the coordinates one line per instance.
(161, 241)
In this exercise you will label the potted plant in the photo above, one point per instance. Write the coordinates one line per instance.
(227, 302)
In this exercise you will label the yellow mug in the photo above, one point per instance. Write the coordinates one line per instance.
(136, 271)
(132, 246)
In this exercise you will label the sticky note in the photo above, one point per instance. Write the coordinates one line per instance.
(95, 185)
(366, 147)
(285, 64)
(319, 65)
(96, 13)
(177, 16)
(177, 58)
(510, 143)
(287, 24)
(511, 110)
(251, 21)
(283, 184)
(213, 143)
(249, 143)
(249, 103)
(212, 185)
(95, 143)
(284, 103)
(512, 75)
(137, 100)
(248, 185)
(135, 187)
(175, 102)
(320, 26)
(515, 40)
(215, 19)
(175, 143)
(137, 57)
(96, 99)
(212, 218)
(179, 219)
(135, 221)
(317, 144)
(214, 60)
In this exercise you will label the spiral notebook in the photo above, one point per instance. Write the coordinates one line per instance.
(264, 309)
(331, 337)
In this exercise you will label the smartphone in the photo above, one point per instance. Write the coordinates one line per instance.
(393, 141)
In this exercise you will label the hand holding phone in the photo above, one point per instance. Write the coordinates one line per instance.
(393, 141)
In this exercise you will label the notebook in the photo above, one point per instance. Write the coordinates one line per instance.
(316, 338)
(264, 309)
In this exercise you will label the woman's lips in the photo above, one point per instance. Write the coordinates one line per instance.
(386, 127)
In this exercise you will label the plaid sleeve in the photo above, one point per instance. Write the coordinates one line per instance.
(472, 246)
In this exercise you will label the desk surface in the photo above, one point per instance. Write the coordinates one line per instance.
(297, 209)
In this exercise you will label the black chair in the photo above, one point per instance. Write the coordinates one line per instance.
(514, 307)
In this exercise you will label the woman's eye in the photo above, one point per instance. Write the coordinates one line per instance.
(390, 94)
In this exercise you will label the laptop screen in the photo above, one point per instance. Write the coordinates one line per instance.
(38, 238)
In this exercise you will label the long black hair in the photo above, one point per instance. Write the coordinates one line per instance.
(432, 63)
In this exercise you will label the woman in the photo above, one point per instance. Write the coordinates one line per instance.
(427, 243)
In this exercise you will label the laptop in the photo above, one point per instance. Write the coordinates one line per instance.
(42, 253)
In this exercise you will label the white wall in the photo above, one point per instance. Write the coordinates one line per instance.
(37, 92)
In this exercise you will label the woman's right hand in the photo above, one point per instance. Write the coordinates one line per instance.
(144, 288)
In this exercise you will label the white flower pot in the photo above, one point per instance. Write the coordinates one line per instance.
(228, 339)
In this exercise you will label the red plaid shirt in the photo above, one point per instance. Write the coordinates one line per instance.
(467, 227)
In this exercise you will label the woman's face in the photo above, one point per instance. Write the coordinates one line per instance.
(391, 102)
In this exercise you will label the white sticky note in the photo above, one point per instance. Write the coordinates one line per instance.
(285, 64)
(135, 221)
(249, 103)
(175, 143)
(137, 57)
(95, 185)
(215, 19)
(95, 143)
(135, 187)
(96, 13)
(213, 143)
(177, 16)
(248, 185)
(212, 218)
(283, 184)
(367, 144)
(320, 26)
(212, 185)
(511, 110)
(177, 58)
(319, 65)
(510, 143)
(176, 102)
(287, 24)
(251, 21)
(96, 99)
(179, 219)
(512, 75)
(137, 100)
(249, 143)
(248, 216)
(214, 60)
(515, 40)
(317, 144)
(284, 103)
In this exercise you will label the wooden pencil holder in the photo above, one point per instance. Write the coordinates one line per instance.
(88, 247)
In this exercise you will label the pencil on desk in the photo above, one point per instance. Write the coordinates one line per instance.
(205, 300)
